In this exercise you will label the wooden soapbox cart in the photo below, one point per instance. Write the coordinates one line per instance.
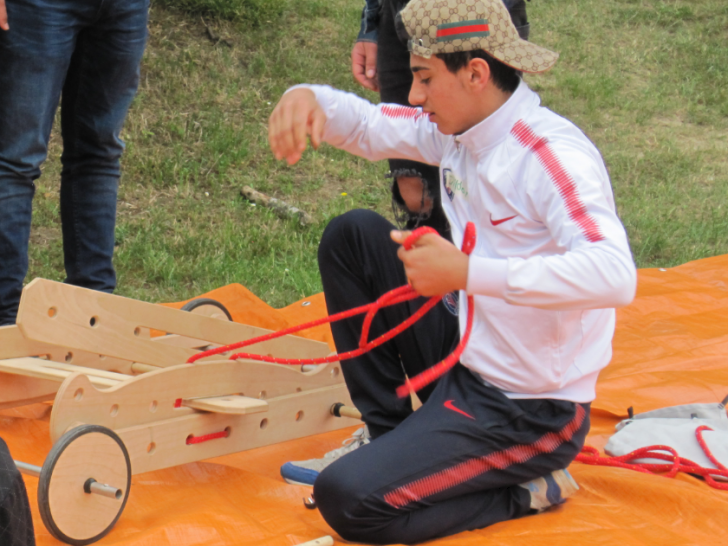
(126, 402)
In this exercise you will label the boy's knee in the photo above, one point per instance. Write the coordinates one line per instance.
(344, 226)
(343, 230)
(339, 494)
(349, 508)
(336, 498)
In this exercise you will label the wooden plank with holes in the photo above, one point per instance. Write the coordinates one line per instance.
(162, 444)
(55, 371)
(154, 396)
(13, 344)
(180, 341)
(20, 390)
(102, 323)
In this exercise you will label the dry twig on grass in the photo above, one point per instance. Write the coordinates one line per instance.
(281, 208)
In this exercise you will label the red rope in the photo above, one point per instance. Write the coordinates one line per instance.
(393, 297)
(207, 437)
(675, 463)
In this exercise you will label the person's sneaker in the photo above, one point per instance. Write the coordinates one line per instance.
(306, 472)
(551, 490)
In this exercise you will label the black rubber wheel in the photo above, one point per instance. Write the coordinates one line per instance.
(202, 302)
(71, 513)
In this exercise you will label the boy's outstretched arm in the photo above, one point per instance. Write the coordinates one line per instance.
(353, 124)
(296, 116)
(434, 266)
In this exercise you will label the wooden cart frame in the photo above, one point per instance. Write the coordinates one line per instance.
(125, 401)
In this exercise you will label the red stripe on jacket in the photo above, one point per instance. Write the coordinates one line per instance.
(462, 472)
(561, 178)
(392, 111)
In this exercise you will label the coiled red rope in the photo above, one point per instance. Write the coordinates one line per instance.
(398, 295)
(675, 463)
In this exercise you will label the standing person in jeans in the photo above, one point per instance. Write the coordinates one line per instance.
(380, 62)
(87, 55)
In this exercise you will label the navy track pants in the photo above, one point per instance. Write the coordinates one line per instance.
(454, 464)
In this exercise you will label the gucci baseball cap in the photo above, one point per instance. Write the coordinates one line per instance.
(448, 26)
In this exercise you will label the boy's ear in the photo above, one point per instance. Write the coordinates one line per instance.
(479, 73)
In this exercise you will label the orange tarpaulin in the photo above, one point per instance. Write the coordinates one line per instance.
(671, 347)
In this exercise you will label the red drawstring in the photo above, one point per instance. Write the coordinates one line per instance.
(590, 455)
(704, 446)
(398, 295)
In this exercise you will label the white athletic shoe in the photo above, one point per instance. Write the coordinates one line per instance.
(306, 472)
(551, 490)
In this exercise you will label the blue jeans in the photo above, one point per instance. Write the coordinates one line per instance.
(87, 53)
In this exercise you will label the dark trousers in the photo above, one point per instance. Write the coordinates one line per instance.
(455, 463)
(359, 263)
(88, 53)
(16, 523)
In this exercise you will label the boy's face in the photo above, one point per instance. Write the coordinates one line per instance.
(443, 95)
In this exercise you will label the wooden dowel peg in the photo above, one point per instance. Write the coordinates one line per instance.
(138, 367)
(340, 410)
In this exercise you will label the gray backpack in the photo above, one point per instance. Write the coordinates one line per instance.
(675, 427)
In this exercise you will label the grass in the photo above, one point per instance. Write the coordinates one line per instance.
(251, 12)
(645, 79)
(647, 82)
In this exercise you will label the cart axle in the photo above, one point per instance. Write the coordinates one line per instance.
(91, 485)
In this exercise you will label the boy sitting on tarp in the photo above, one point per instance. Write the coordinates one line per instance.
(551, 263)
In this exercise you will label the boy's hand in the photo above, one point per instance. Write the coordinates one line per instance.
(296, 115)
(434, 266)
(364, 64)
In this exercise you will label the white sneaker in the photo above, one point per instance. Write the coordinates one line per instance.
(306, 472)
(551, 490)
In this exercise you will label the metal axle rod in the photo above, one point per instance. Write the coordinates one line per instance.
(91, 485)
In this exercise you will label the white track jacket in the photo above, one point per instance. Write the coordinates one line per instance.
(552, 259)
